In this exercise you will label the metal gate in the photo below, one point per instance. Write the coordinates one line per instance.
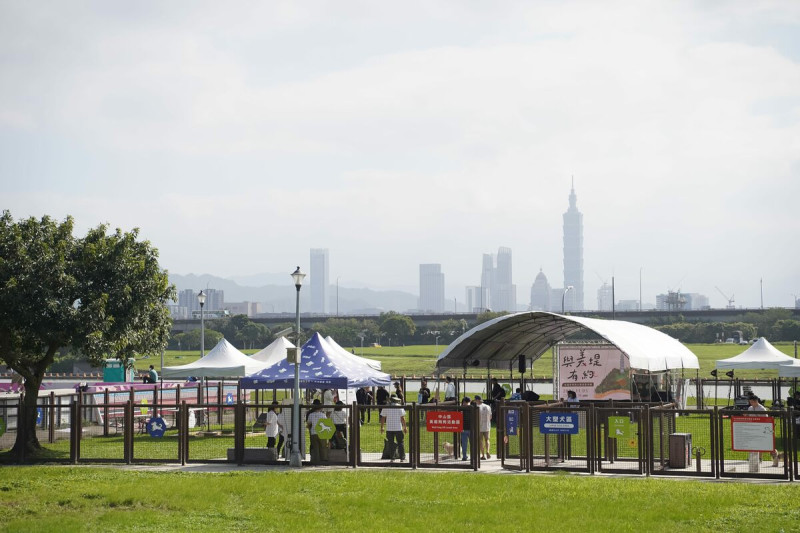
(620, 439)
(682, 442)
(754, 444)
(444, 436)
(561, 438)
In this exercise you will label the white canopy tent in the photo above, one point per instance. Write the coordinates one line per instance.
(223, 361)
(528, 335)
(790, 371)
(273, 353)
(761, 355)
(363, 360)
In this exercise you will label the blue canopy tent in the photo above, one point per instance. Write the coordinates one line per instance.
(320, 367)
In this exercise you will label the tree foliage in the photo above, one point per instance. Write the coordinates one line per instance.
(398, 328)
(101, 295)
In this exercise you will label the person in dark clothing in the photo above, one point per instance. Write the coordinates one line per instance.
(364, 397)
(498, 392)
(382, 396)
(466, 426)
(424, 392)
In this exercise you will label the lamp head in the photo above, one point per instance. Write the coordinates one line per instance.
(201, 298)
(729, 373)
(298, 276)
(714, 372)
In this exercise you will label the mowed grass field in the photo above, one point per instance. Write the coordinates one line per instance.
(67, 499)
(421, 360)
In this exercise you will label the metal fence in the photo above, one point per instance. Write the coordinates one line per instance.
(619, 437)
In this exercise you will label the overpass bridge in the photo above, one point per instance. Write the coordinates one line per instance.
(640, 317)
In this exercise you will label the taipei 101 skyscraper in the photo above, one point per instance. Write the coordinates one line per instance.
(573, 254)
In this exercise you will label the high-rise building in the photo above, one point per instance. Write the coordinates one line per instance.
(605, 298)
(504, 292)
(540, 293)
(215, 300)
(496, 282)
(319, 280)
(431, 288)
(477, 297)
(573, 254)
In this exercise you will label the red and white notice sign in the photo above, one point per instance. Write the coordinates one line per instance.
(446, 421)
(752, 433)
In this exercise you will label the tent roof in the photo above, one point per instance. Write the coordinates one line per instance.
(274, 352)
(760, 355)
(499, 342)
(320, 366)
(223, 361)
(790, 370)
(372, 363)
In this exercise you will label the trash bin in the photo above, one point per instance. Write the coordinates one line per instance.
(680, 450)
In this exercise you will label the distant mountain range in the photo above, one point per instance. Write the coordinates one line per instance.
(277, 294)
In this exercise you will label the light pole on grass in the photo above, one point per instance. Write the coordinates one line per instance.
(294, 458)
(563, 296)
(201, 299)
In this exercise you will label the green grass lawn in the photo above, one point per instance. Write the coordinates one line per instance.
(421, 360)
(113, 499)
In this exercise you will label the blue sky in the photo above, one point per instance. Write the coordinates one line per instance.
(238, 136)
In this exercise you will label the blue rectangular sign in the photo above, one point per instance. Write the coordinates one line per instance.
(512, 421)
(558, 423)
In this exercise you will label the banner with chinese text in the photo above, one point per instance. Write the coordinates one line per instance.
(593, 372)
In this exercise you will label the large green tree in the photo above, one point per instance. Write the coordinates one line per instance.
(396, 326)
(103, 295)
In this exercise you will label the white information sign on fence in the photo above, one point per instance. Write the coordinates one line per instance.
(752, 433)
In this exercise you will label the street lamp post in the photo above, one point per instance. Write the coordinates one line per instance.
(569, 288)
(201, 299)
(337, 295)
(294, 458)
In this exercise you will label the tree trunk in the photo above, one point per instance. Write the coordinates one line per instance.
(27, 442)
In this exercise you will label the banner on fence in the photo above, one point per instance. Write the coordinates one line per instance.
(752, 433)
(444, 421)
(593, 372)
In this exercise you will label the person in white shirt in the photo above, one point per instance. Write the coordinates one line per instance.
(319, 448)
(339, 419)
(756, 405)
(393, 420)
(484, 426)
(273, 427)
(449, 390)
(327, 399)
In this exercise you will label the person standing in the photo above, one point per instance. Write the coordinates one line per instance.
(394, 421)
(450, 390)
(364, 397)
(327, 399)
(756, 405)
(319, 449)
(382, 396)
(424, 395)
(484, 426)
(273, 429)
(465, 431)
(339, 419)
(398, 391)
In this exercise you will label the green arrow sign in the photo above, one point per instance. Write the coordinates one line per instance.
(325, 428)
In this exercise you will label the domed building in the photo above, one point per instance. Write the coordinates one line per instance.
(540, 293)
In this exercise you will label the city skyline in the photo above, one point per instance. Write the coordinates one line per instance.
(410, 133)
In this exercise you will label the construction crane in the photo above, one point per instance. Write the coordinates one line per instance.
(730, 300)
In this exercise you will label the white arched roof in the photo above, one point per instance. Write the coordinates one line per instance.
(499, 342)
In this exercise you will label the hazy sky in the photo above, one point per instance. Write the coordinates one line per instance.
(238, 135)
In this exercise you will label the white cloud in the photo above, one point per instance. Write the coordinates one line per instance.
(325, 124)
